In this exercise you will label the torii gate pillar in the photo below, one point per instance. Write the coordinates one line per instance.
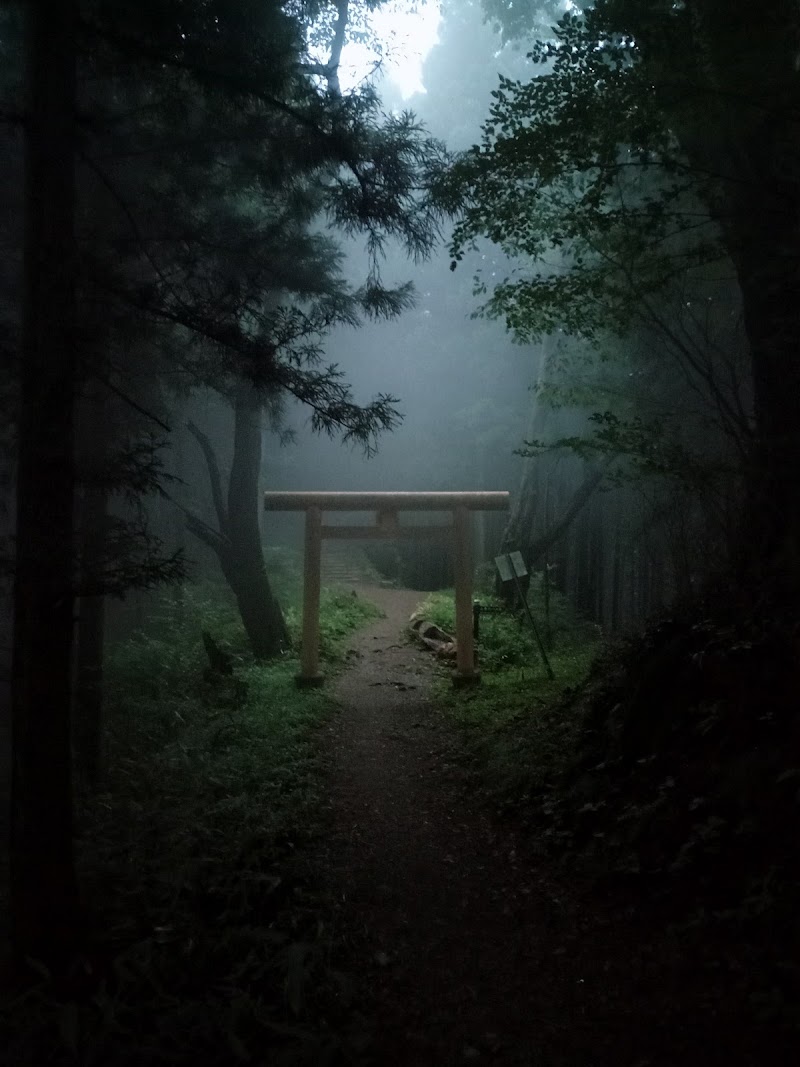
(386, 507)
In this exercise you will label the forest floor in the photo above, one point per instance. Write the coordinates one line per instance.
(455, 940)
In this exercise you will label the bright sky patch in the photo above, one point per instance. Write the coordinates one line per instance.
(407, 32)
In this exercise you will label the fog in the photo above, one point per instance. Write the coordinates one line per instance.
(264, 245)
(621, 536)
(462, 384)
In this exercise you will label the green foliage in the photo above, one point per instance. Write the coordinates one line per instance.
(579, 178)
(210, 950)
(341, 612)
(506, 638)
(612, 207)
(284, 566)
(155, 677)
(517, 19)
(519, 728)
(214, 156)
(641, 449)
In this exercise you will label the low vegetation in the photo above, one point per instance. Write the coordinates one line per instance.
(662, 771)
(207, 942)
(519, 726)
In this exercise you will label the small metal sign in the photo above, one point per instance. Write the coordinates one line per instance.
(503, 564)
(510, 566)
(518, 563)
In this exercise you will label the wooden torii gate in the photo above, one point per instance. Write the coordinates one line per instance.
(387, 507)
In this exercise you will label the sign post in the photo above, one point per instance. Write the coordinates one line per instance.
(511, 567)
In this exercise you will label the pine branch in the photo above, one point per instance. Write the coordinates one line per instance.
(203, 532)
(105, 380)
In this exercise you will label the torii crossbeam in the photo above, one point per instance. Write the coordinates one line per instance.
(387, 507)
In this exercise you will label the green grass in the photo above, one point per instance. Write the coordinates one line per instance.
(518, 726)
(209, 949)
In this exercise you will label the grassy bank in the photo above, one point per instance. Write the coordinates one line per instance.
(519, 726)
(664, 779)
(206, 947)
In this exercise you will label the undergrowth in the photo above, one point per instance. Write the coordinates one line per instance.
(208, 948)
(519, 727)
(685, 791)
(664, 770)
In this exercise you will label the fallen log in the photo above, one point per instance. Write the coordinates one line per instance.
(433, 637)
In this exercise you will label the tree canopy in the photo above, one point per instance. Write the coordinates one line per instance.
(654, 144)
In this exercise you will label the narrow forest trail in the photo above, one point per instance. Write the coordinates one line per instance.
(447, 925)
(456, 942)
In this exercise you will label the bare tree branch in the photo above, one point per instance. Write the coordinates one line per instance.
(551, 536)
(214, 477)
(106, 381)
(332, 68)
(581, 497)
(203, 532)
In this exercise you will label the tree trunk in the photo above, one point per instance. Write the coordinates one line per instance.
(770, 282)
(93, 450)
(89, 654)
(89, 722)
(537, 547)
(244, 568)
(751, 136)
(44, 897)
(238, 542)
(521, 529)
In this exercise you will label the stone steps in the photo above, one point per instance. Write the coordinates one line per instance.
(347, 564)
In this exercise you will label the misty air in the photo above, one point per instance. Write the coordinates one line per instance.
(399, 533)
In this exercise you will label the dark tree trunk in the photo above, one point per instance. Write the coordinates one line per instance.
(616, 583)
(521, 532)
(93, 455)
(44, 898)
(238, 542)
(88, 708)
(769, 275)
(538, 546)
(751, 136)
(261, 614)
(178, 532)
(89, 730)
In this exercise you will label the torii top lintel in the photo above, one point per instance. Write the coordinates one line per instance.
(349, 501)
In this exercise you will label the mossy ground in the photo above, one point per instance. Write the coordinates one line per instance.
(205, 933)
(656, 787)
(519, 726)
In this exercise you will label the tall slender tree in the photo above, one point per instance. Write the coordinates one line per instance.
(201, 128)
(237, 539)
(43, 886)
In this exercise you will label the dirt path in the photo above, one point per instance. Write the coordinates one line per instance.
(459, 945)
(446, 928)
